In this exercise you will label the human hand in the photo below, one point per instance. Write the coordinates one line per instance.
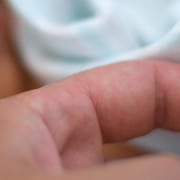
(57, 132)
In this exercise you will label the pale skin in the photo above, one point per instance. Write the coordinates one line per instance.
(57, 132)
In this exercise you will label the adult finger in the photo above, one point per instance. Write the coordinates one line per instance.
(127, 99)
(115, 102)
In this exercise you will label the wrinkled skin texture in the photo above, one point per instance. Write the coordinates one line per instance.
(61, 127)
(57, 132)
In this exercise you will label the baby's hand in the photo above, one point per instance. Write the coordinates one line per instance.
(49, 132)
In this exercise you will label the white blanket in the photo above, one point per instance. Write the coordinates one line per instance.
(60, 37)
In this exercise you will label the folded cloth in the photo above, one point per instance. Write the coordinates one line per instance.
(57, 38)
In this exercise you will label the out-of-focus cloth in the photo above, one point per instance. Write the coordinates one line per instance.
(60, 37)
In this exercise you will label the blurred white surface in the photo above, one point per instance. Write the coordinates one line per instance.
(160, 141)
(58, 38)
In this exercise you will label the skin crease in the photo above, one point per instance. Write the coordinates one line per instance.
(51, 132)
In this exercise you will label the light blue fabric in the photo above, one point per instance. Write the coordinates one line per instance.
(74, 35)
(101, 28)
